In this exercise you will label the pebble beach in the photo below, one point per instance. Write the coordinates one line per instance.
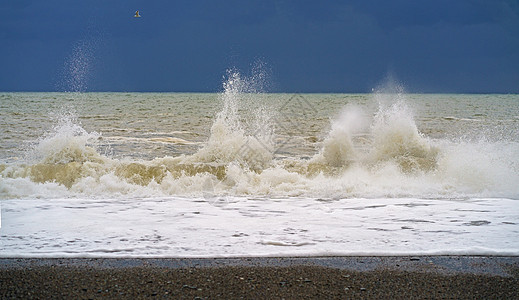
(433, 277)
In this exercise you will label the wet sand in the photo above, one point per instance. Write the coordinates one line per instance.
(460, 277)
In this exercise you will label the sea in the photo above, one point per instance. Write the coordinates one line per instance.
(242, 173)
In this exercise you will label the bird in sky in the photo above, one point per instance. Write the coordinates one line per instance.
(137, 15)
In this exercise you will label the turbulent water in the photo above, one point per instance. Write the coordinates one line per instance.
(242, 173)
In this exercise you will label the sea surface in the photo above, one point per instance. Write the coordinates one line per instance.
(245, 173)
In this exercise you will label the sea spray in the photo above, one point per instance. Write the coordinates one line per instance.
(393, 137)
(79, 66)
(484, 168)
(246, 139)
(66, 153)
(338, 147)
(63, 154)
(67, 142)
(397, 139)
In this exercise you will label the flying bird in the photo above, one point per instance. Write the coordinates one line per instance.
(137, 15)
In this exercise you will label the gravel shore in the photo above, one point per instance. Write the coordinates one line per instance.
(259, 278)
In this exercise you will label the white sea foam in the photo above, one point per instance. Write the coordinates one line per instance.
(193, 227)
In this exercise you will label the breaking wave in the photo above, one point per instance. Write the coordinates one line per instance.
(363, 155)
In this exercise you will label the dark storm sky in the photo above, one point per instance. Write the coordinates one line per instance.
(305, 46)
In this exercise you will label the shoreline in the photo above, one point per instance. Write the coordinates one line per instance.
(261, 277)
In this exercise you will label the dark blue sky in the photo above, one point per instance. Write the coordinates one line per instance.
(306, 46)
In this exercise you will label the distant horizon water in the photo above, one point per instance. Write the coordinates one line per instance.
(216, 91)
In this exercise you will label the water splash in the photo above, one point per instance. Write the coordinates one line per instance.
(242, 131)
(66, 142)
(63, 155)
(396, 138)
(79, 66)
(338, 148)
